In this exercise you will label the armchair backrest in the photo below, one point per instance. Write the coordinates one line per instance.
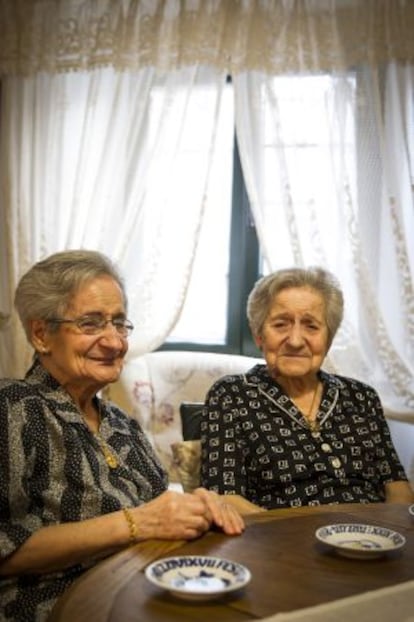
(153, 386)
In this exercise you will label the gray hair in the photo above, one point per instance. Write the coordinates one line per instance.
(318, 279)
(46, 289)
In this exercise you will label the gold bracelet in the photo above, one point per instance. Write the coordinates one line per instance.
(133, 529)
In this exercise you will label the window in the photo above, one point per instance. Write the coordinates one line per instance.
(299, 157)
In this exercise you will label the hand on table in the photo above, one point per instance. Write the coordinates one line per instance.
(223, 514)
(175, 516)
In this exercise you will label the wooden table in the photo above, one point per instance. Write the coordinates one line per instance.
(290, 570)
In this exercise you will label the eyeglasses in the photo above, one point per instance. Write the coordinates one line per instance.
(95, 324)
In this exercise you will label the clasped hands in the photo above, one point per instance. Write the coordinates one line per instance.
(221, 513)
(175, 515)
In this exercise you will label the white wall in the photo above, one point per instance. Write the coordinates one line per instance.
(403, 436)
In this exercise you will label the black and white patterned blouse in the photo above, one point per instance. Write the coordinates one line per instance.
(256, 443)
(52, 470)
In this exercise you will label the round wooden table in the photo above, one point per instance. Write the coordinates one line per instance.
(290, 570)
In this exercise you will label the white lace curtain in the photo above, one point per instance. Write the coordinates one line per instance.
(362, 52)
(276, 36)
(97, 160)
(328, 161)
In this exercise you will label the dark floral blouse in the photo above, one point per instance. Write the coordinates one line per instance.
(256, 443)
(52, 470)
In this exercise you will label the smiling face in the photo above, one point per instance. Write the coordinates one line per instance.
(294, 337)
(81, 363)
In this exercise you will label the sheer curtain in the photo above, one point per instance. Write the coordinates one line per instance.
(332, 186)
(328, 164)
(108, 160)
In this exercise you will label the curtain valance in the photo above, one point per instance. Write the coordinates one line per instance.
(275, 36)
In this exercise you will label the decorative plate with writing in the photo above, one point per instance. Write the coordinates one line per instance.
(197, 577)
(360, 541)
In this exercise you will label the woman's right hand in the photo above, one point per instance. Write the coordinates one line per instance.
(172, 516)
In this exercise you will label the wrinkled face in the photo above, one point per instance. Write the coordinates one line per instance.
(294, 338)
(82, 362)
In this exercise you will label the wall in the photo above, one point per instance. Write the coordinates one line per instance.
(403, 436)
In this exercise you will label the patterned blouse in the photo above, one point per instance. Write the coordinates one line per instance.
(255, 442)
(52, 470)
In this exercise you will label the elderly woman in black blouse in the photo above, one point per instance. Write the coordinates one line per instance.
(287, 433)
(78, 478)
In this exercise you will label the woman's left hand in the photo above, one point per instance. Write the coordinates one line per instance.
(223, 514)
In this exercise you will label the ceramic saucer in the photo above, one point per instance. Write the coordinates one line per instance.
(360, 541)
(197, 577)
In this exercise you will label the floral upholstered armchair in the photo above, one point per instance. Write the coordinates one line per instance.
(152, 388)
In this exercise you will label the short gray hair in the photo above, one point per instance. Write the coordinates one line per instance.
(318, 279)
(45, 290)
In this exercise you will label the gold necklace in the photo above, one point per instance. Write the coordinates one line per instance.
(110, 458)
(313, 424)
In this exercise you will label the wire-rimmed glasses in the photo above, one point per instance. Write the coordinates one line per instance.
(95, 324)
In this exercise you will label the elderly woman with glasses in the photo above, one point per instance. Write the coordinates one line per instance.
(78, 478)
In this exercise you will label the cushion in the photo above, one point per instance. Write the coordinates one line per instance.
(190, 413)
(186, 455)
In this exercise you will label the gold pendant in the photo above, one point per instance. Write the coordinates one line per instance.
(111, 461)
(110, 458)
(314, 428)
